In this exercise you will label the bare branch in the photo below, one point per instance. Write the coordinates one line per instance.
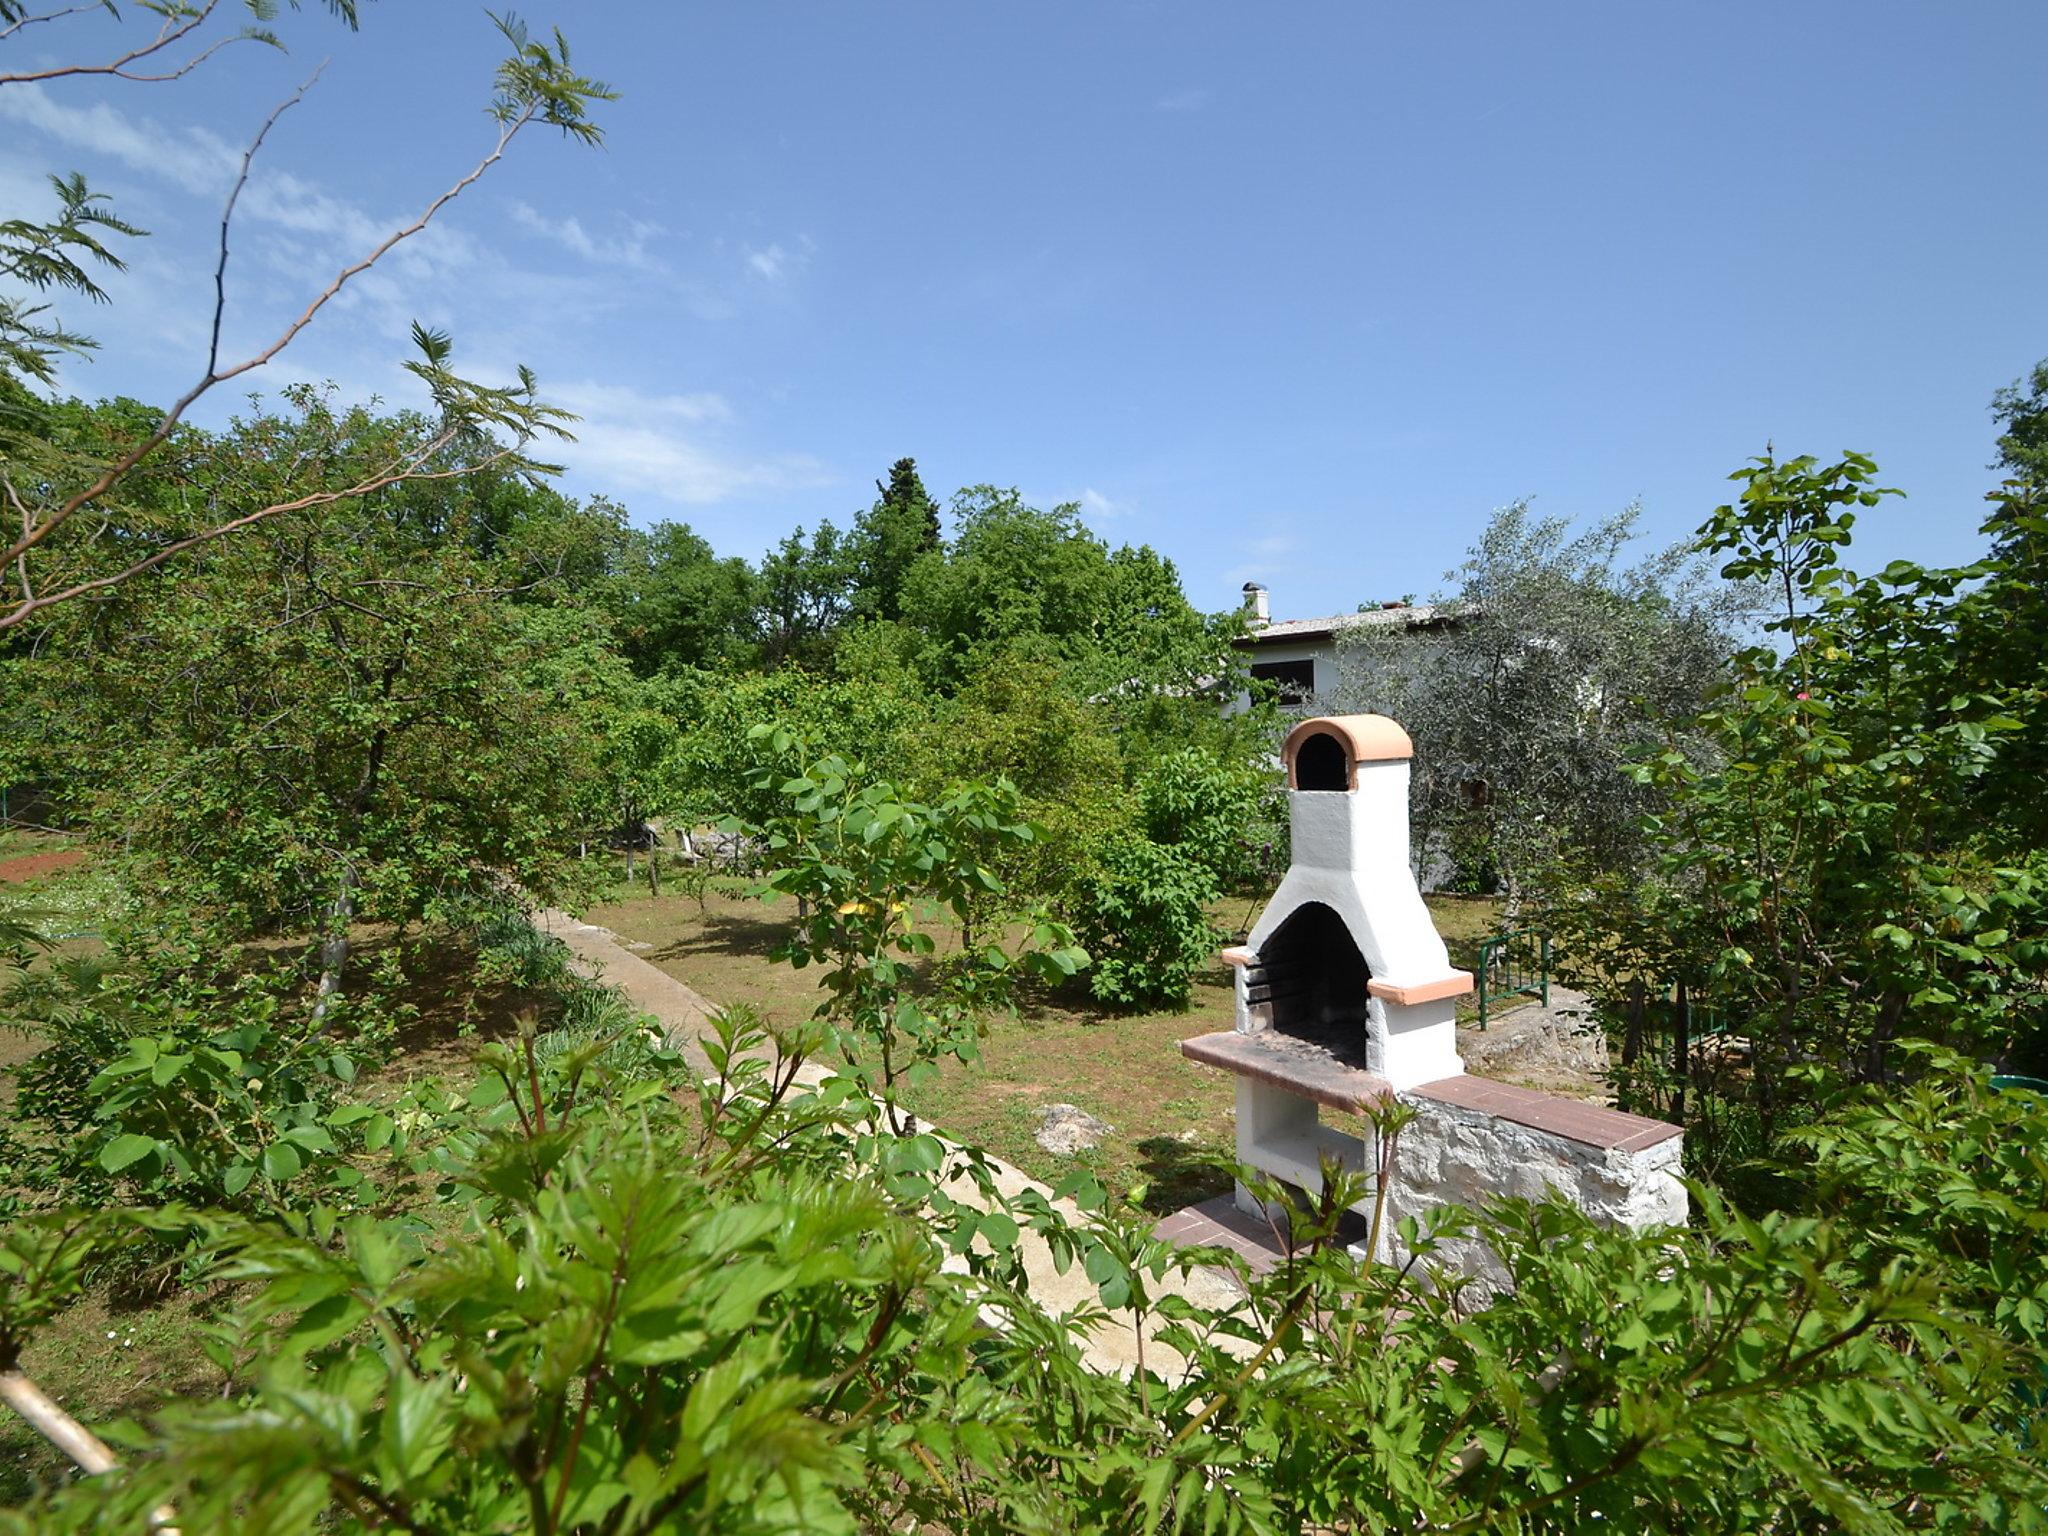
(171, 32)
(27, 522)
(69, 10)
(115, 472)
(30, 605)
(86, 1450)
(220, 270)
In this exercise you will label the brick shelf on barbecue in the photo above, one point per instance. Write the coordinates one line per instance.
(1300, 1067)
(1304, 1068)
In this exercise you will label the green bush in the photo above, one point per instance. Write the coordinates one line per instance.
(1144, 919)
(733, 1306)
(1216, 813)
(158, 1081)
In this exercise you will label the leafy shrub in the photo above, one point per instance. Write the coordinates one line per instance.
(156, 1081)
(862, 859)
(1216, 813)
(1144, 919)
(733, 1310)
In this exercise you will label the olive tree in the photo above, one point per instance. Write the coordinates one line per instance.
(1549, 665)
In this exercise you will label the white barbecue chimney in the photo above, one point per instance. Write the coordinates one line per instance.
(1346, 950)
(1346, 1001)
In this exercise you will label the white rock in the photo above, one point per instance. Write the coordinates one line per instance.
(1064, 1129)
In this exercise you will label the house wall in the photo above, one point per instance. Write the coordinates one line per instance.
(1322, 652)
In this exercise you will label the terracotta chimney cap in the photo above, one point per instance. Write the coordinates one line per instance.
(1363, 739)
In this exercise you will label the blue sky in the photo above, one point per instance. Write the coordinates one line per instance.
(1297, 293)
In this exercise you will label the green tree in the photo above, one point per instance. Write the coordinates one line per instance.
(328, 719)
(1010, 572)
(1020, 717)
(804, 591)
(718, 753)
(59, 255)
(868, 865)
(1015, 576)
(1535, 687)
(890, 537)
(675, 603)
(1216, 812)
(2021, 412)
(1852, 861)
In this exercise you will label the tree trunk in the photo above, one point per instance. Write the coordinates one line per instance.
(1889, 1012)
(334, 945)
(1632, 1038)
(1681, 1053)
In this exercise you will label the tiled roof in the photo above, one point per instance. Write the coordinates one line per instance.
(1317, 629)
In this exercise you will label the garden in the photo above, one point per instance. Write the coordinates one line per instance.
(336, 1195)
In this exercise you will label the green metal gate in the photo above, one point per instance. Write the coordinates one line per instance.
(1512, 965)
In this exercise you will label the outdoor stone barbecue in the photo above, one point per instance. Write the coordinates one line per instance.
(1346, 998)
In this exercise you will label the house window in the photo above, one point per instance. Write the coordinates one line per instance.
(1294, 681)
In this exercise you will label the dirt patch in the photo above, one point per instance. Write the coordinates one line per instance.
(33, 866)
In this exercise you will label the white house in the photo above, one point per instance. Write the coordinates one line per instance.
(1299, 656)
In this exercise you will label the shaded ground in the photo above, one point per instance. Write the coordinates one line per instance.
(1170, 1118)
(113, 1354)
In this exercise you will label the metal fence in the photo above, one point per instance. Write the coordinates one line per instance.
(1512, 966)
(1663, 1029)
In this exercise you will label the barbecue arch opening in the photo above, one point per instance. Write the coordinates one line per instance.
(1314, 980)
(1321, 762)
(1325, 753)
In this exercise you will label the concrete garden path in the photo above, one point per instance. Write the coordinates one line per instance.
(686, 1016)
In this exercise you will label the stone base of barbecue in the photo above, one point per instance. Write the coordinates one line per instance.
(1471, 1141)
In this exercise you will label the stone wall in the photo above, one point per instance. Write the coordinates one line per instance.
(1474, 1140)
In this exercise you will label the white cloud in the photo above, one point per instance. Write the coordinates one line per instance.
(1182, 101)
(629, 250)
(590, 399)
(1098, 508)
(665, 445)
(678, 446)
(190, 158)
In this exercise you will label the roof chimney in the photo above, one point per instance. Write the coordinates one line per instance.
(1255, 600)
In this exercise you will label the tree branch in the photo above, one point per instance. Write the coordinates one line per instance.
(115, 472)
(85, 1449)
(171, 32)
(220, 269)
(69, 10)
(29, 605)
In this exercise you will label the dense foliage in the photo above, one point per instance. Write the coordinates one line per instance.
(1533, 687)
(726, 1304)
(1859, 857)
(333, 690)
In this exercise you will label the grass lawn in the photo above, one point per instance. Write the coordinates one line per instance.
(1170, 1117)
